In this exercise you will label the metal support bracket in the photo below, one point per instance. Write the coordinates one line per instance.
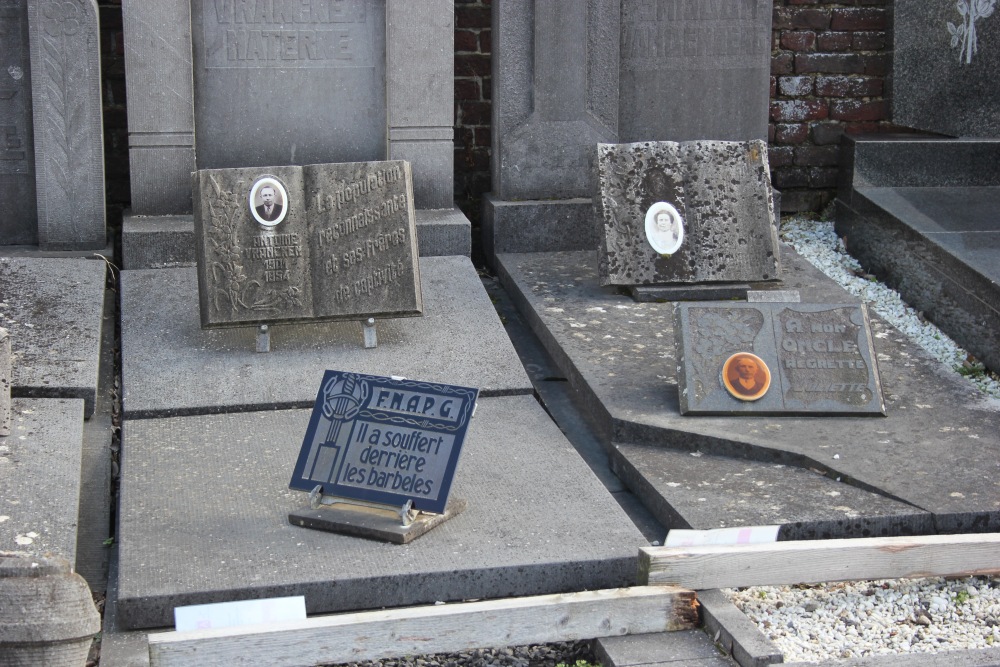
(371, 335)
(263, 338)
(318, 499)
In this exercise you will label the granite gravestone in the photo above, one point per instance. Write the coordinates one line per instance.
(776, 358)
(323, 242)
(946, 67)
(569, 74)
(691, 212)
(385, 440)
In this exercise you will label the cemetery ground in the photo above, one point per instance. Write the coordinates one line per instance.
(555, 392)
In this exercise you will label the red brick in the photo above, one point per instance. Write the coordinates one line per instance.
(817, 156)
(466, 40)
(849, 86)
(798, 110)
(790, 133)
(484, 137)
(868, 18)
(467, 89)
(838, 63)
(788, 18)
(834, 41)
(869, 41)
(798, 40)
(857, 110)
(867, 127)
(877, 64)
(472, 64)
(824, 134)
(486, 41)
(795, 86)
(783, 63)
(799, 201)
(487, 88)
(473, 113)
(780, 156)
(774, 87)
(789, 177)
(472, 17)
(823, 177)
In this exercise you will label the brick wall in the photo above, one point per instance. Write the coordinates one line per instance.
(116, 187)
(829, 61)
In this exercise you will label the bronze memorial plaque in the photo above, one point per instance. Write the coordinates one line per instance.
(776, 358)
(320, 242)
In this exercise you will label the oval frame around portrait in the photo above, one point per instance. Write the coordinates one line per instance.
(653, 234)
(280, 191)
(730, 381)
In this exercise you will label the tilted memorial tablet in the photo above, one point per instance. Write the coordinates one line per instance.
(691, 212)
(323, 242)
(776, 358)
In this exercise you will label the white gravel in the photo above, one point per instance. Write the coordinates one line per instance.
(817, 242)
(858, 619)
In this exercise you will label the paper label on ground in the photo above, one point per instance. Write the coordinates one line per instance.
(244, 612)
(722, 536)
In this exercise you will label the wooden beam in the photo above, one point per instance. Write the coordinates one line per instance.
(390, 633)
(808, 562)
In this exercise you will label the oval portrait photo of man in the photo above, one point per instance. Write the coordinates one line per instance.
(664, 228)
(268, 201)
(746, 376)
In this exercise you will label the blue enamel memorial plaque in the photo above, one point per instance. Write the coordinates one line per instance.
(384, 440)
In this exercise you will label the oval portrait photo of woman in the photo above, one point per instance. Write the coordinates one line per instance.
(664, 228)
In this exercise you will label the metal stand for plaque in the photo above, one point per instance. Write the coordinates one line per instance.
(263, 338)
(376, 521)
(370, 334)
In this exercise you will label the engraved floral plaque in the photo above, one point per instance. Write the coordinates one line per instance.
(320, 242)
(776, 358)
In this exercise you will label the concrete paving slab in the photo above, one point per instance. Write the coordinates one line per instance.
(40, 477)
(171, 366)
(701, 491)
(204, 518)
(53, 309)
(935, 450)
(690, 648)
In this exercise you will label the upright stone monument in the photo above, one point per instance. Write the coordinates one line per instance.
(946, 67)
(242, 84)
(51, 136)
(568, 75)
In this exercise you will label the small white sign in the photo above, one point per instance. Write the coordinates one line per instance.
(722, 536)
(244, 612)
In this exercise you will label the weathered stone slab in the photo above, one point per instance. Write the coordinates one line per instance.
(935, 449)
(53, 309)
(186, 539)
(695, 70)
(18, 224)
(5, 375)
(69, 136)
(40, 477)
(687, 648)
(946, 67)
(324, 242)
(172, 366)
(691, 212)
(775, 358)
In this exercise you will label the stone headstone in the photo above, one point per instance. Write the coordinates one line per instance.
(68, 134)
(570, 74)
(946, 67)
(5, 376)
(776, 358)
(691, 212)
(291, 83)
(385, 440)
(326, 242)
(18, 224)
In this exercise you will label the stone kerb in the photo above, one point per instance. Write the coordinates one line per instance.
(68, 134)
(5, 375)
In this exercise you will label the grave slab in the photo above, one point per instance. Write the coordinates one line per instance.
(172, 366)
(53, 309)
(935, 450)
(205, 505)
(40, 477)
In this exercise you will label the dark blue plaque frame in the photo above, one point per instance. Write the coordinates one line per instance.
(384, 440)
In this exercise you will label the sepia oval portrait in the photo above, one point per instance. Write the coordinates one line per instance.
(268, 201)
(746, 376)
(664, 228)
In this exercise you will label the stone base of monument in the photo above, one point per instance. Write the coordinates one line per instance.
(922, 467)
(530, 226)
(709, 292)
(375, 523)
(167, 241)
(920, 213)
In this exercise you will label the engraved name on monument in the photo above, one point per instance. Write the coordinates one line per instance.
(331, 241)
(776, 358)
(691, 212)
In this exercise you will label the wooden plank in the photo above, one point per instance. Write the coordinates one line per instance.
(390, 633)
(806, 562)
